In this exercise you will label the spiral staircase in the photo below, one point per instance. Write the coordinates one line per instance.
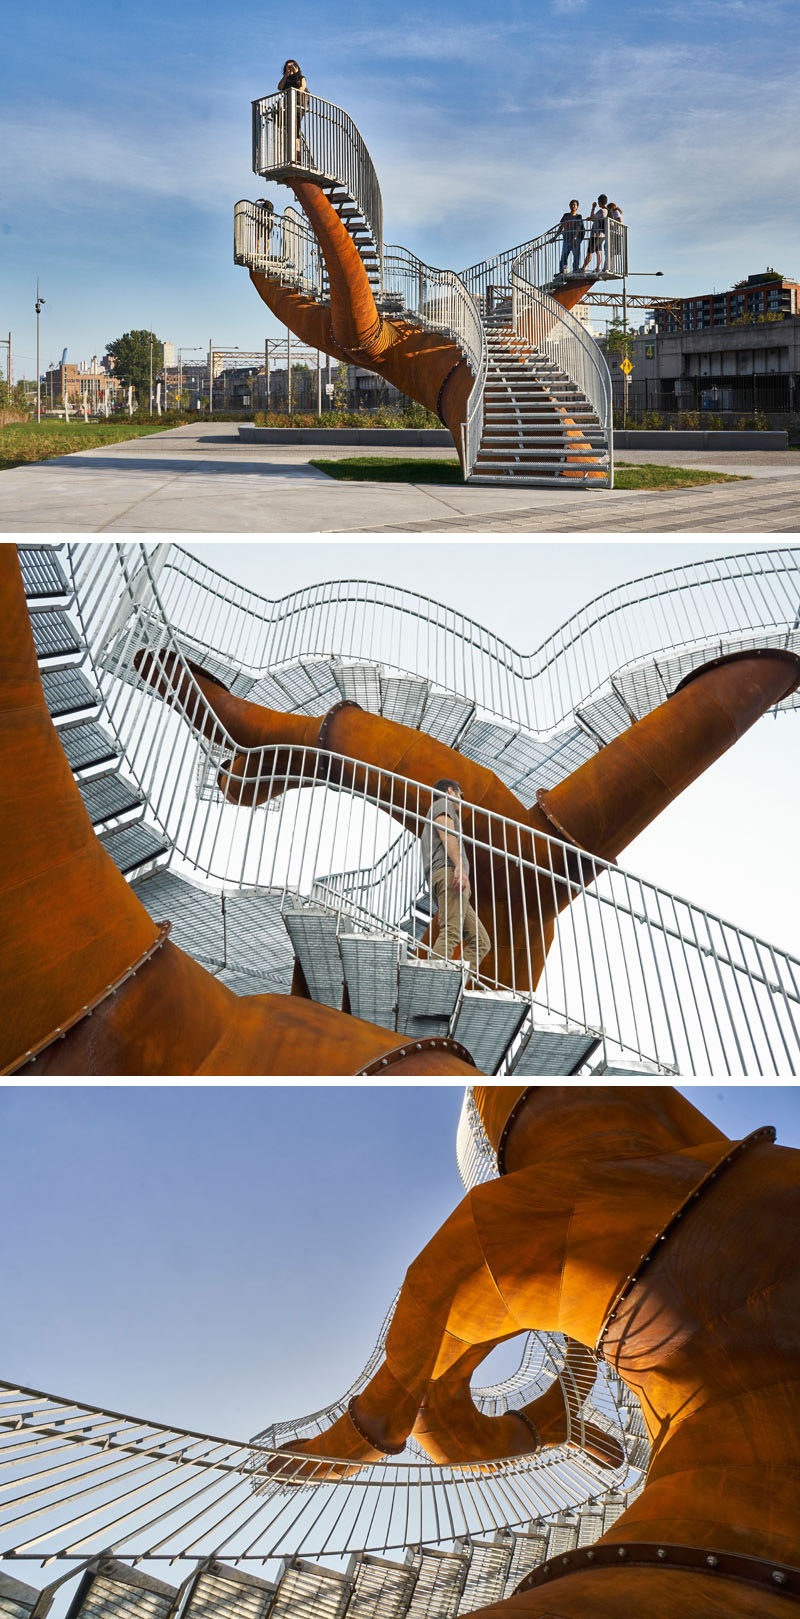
(316, 891)
(540, 408)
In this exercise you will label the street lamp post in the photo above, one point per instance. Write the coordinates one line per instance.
(39, 306)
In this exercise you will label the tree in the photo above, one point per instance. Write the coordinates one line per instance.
(618, 339)
(131, 354)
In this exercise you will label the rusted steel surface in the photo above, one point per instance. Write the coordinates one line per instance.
(428, 367)
(86, 978)
(706, 1335)
(598, 809)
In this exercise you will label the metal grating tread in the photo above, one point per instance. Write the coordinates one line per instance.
(220, 1590)
(403, 699)
(267, 691)
(42, 572)
(133, 846)
(17, 1600)
(277, 982)
(554, 1052)
(87, 744)
(316, 946)
(562, 756)
(255, 934)
(309, 685)
(427, 997)
(67, 691)
(106, 797)
(370, 963)
(483, 740)
(444, 717)
(360, 683)
(486, 1024)
(111, 1594)
(54, 636)
(196, 915)
(606, 716)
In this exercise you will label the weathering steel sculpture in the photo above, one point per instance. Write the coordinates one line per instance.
(593, 814)
(626, 1220)
(88, 983)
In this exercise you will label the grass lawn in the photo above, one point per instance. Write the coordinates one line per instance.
(22, 442)
(393, 469)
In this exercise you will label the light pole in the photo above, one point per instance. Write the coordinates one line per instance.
(39, 306)
(151, 372)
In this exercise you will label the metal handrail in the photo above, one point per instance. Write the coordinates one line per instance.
(439, 300)
(279, 245)
(688, 611)
(544, 254)
(668, 983)
(298, 135)
(547, 328)
(85, 1481)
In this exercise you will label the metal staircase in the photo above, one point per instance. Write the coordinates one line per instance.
(540, 408)
(116, 806)
(538, 427)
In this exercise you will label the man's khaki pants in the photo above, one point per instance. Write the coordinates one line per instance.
(458, 923)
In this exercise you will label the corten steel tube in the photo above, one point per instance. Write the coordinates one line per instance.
(523, 878)
(625, 1216)
(87, 980)
(428, 367)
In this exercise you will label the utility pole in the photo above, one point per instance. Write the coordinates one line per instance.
(210, 376)
(266, 375)
(151, 371)
(39, 306)
(625, 350)
(289, 368)
(319, 383)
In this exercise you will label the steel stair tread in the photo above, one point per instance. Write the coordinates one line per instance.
(54, 634)
(133, 846)
(67, 691)
(43, 574)
(369, 963)
(313, 932)
(486, 1023)
(87, 745)
(426, 998)
(554, 1051)
(109, 796)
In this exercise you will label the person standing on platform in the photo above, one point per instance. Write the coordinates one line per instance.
(571, 226)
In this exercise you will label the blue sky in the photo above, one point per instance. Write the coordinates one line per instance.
(124, 142)
(221, 1257)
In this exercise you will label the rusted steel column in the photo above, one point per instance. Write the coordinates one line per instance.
(424, 365)
(520, 879)
(624, 1215)
(88, 983)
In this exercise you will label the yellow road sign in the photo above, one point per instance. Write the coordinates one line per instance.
(626, 366)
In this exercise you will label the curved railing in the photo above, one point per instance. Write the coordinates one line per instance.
(86, 1482)
(299, 135)
(279, 245)
(694, 610)
(543, 254)
(440, 302)
(662, 981)
(550, 329)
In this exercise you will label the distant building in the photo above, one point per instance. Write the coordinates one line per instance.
(725, 370)
(91, 382)
(765, 297)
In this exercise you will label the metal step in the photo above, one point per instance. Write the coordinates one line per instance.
(370, 962)
(604, 717)
(67, 691)
(483, 740)
(54, 636)
(427, 998)
(310, 685)
(486, 1024)
(403, 699)
(559, 756)
(359, 683)
(445, 717)
(43, 573)
(131, 847)
(316, 946)
(107, 797)
(87, 745)
(550, 1052)
(195, 914)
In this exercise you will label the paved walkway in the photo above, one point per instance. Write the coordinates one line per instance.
(205, 480)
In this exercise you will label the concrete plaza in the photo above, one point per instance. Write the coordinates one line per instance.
(204, 479)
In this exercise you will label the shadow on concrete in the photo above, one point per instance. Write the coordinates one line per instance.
(166, 464)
